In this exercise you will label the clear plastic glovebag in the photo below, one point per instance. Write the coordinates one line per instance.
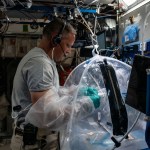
(86, 133)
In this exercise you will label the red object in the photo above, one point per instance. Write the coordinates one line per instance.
(63, 75)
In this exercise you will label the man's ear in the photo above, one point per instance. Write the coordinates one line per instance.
(54, 39)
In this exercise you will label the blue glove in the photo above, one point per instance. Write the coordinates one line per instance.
(93, 94)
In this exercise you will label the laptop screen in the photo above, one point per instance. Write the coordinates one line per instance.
(136, 93)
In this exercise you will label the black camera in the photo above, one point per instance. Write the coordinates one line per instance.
(29, 135)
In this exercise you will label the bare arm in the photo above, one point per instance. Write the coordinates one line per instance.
(54, 112)
(36, 95)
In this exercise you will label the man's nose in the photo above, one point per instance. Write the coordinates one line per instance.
(69, 51)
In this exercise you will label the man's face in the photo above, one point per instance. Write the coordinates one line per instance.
(64, 48)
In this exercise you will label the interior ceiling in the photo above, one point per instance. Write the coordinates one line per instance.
(41, 8)
(47, 9)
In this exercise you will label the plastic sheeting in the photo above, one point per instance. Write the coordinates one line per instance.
(52, 111)
(83, 127)
(95, 131)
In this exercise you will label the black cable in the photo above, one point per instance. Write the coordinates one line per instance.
(63, 51)
(29, 16)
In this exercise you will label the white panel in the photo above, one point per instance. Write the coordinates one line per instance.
(18, 28)
(13, 28)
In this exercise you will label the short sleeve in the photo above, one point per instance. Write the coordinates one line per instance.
(38, 74)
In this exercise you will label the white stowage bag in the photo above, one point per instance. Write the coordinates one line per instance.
(68, 111)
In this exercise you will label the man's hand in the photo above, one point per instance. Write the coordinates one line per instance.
(93, 94)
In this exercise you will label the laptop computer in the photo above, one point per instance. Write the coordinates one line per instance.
(136, 92)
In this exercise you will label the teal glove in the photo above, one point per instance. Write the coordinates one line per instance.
(93, 94)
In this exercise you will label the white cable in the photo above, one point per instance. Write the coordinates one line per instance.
(83, 18)
(83, 24)
(95, 44)
(53, 53)
(129, 130)
(93, 52)
(92, 33)
(95, 48)
(62, 68)
(131, 127)
(113, 50)
(92, 2)
(95, 25)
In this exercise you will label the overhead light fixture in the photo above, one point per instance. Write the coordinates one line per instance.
(129, 2)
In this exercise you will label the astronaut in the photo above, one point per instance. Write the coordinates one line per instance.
(40, 108)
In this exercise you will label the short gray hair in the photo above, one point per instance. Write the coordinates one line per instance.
(56, 25)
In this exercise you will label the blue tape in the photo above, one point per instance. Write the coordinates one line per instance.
(88, 10)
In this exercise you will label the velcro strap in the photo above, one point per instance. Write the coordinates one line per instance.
(18, 131)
